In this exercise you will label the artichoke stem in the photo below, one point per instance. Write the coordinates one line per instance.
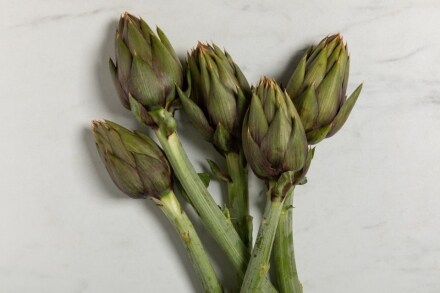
(283, 252)
(238, 197)
(212, 217)
(197, 255)
(259, 263)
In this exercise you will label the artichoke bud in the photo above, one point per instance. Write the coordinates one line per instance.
(273, 137)
(146, 67)
(318, 88)
(134, 161)
(218, 97)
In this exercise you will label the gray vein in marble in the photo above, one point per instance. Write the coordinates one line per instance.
(418, 269)
(83, 286)
(258, 7)
(405, 56)
(245, 7)
(377, 225)
(27, 271)
(391, 13)
(59, 17)
(435, 99)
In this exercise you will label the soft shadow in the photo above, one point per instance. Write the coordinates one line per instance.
(98, 167)
(192, 140)
(284, 76)
(107, 91)
(261, 201)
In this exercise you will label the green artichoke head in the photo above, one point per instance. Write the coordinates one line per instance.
(274, 141)
(134, 161)
(219, 96)
(146, 68)
(318, 88)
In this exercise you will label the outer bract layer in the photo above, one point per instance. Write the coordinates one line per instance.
(274, 141)
(219, 96)
(134, 161)
(318, 88)
(146, 68)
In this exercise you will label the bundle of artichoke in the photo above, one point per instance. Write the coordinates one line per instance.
(268, 126)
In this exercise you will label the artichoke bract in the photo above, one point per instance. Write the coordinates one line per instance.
(219, 96)
(134, 161)
(146, 68)
(318, 88)
(273, 137)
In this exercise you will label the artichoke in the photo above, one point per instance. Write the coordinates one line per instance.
(318, 88)
(219, 96)
(134, 161)
(146, 69)
(273, 137)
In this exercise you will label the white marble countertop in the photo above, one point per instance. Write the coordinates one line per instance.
(367, 221)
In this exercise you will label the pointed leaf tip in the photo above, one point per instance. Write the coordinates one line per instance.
(344, 112)
(217, 172)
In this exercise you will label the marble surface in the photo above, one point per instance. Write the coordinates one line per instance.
(367, 221)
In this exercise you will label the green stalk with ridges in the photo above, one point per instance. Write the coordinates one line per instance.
(259, 263)
(238, 198)
(199, 259)
(214, 220)
(283, 251)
